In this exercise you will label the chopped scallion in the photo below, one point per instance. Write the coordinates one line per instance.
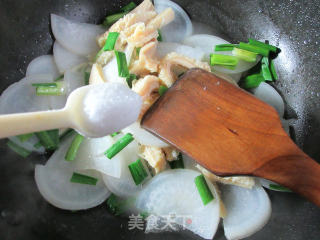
(265, 71)
(162, 90)
(74, 147)
(49, 139)
(37, 145)
(223, 60)
(138, 172)
(44, 84)
(263, 45)
(273, 71)
(111, 41)
(279, 188)
(177, 163)
(113, 18)
(24, 137)
(245, 55)
(203, 189)
(59, 78)
(117, 206)
(66, 134)
(252, 48)
(56, 90)
(253, 81)
(224, 47)
(123, 70)
(130, 79)
(86, 77)
(138, 51)
(18, 149)
(83, 179)
(119, 145)
(128, 7)
(159, 38)
(115, 134)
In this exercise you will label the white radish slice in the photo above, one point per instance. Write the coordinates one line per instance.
(207, 43)
(53, 181)
(272, 185)
(248, 210)
(91, 157)
(144, 137)
(268, 94)
(43, 65)
(166, 47)
(65, 59)
(29, 144)
(21, 96)
(110, 71)
(228, 77)
(180, 27)
(74, 78)
(78, 38)
(125, 186)
(173, 192)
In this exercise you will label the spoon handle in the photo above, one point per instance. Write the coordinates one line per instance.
(297, 171)
(21, 123)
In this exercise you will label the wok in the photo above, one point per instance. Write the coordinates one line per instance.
(291, 25)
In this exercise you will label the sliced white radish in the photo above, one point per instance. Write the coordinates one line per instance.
(144, 137)
(207, 43)
(180, 27)
(74, 78)
(248, 210)
(21, 96)
(268, 94)
(125, 186)
(173, 192)
(66, 59)
(78, 38)
(233, 78)
(29, 144)
(91, 157)
(53, 181)
(43, 65)
(167, 47)
(272, 185)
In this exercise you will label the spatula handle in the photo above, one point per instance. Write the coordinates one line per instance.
(20, 123)
(298, 172)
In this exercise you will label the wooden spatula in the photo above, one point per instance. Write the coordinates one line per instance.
(231, 132)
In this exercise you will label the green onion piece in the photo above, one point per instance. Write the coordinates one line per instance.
(44, 85)
(130, 79)
(252, 48)
(273, 71)
(59, 78)
(66, 134)
(138, 51)
(144, 215)
(111, 41)
(279, 188)
(50, 90)
(119, 145)
(265, 71)
(86, 77)
(245, 55)
(117, 206)
(203, 189)
(123, 70)
(224, 47)
(37, 145)
(74, 147)
(159, 38)
(112, 19)
(18, 149)
(253, 81)
(24, 137)
(138, 172)
(162, 90)
(128, 7)
(49, 139)
(115, 134)
(177, 163)
(263, 45)
(83, 179)
(223, 60)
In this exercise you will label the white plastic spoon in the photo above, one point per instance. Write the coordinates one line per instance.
(94, 111)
